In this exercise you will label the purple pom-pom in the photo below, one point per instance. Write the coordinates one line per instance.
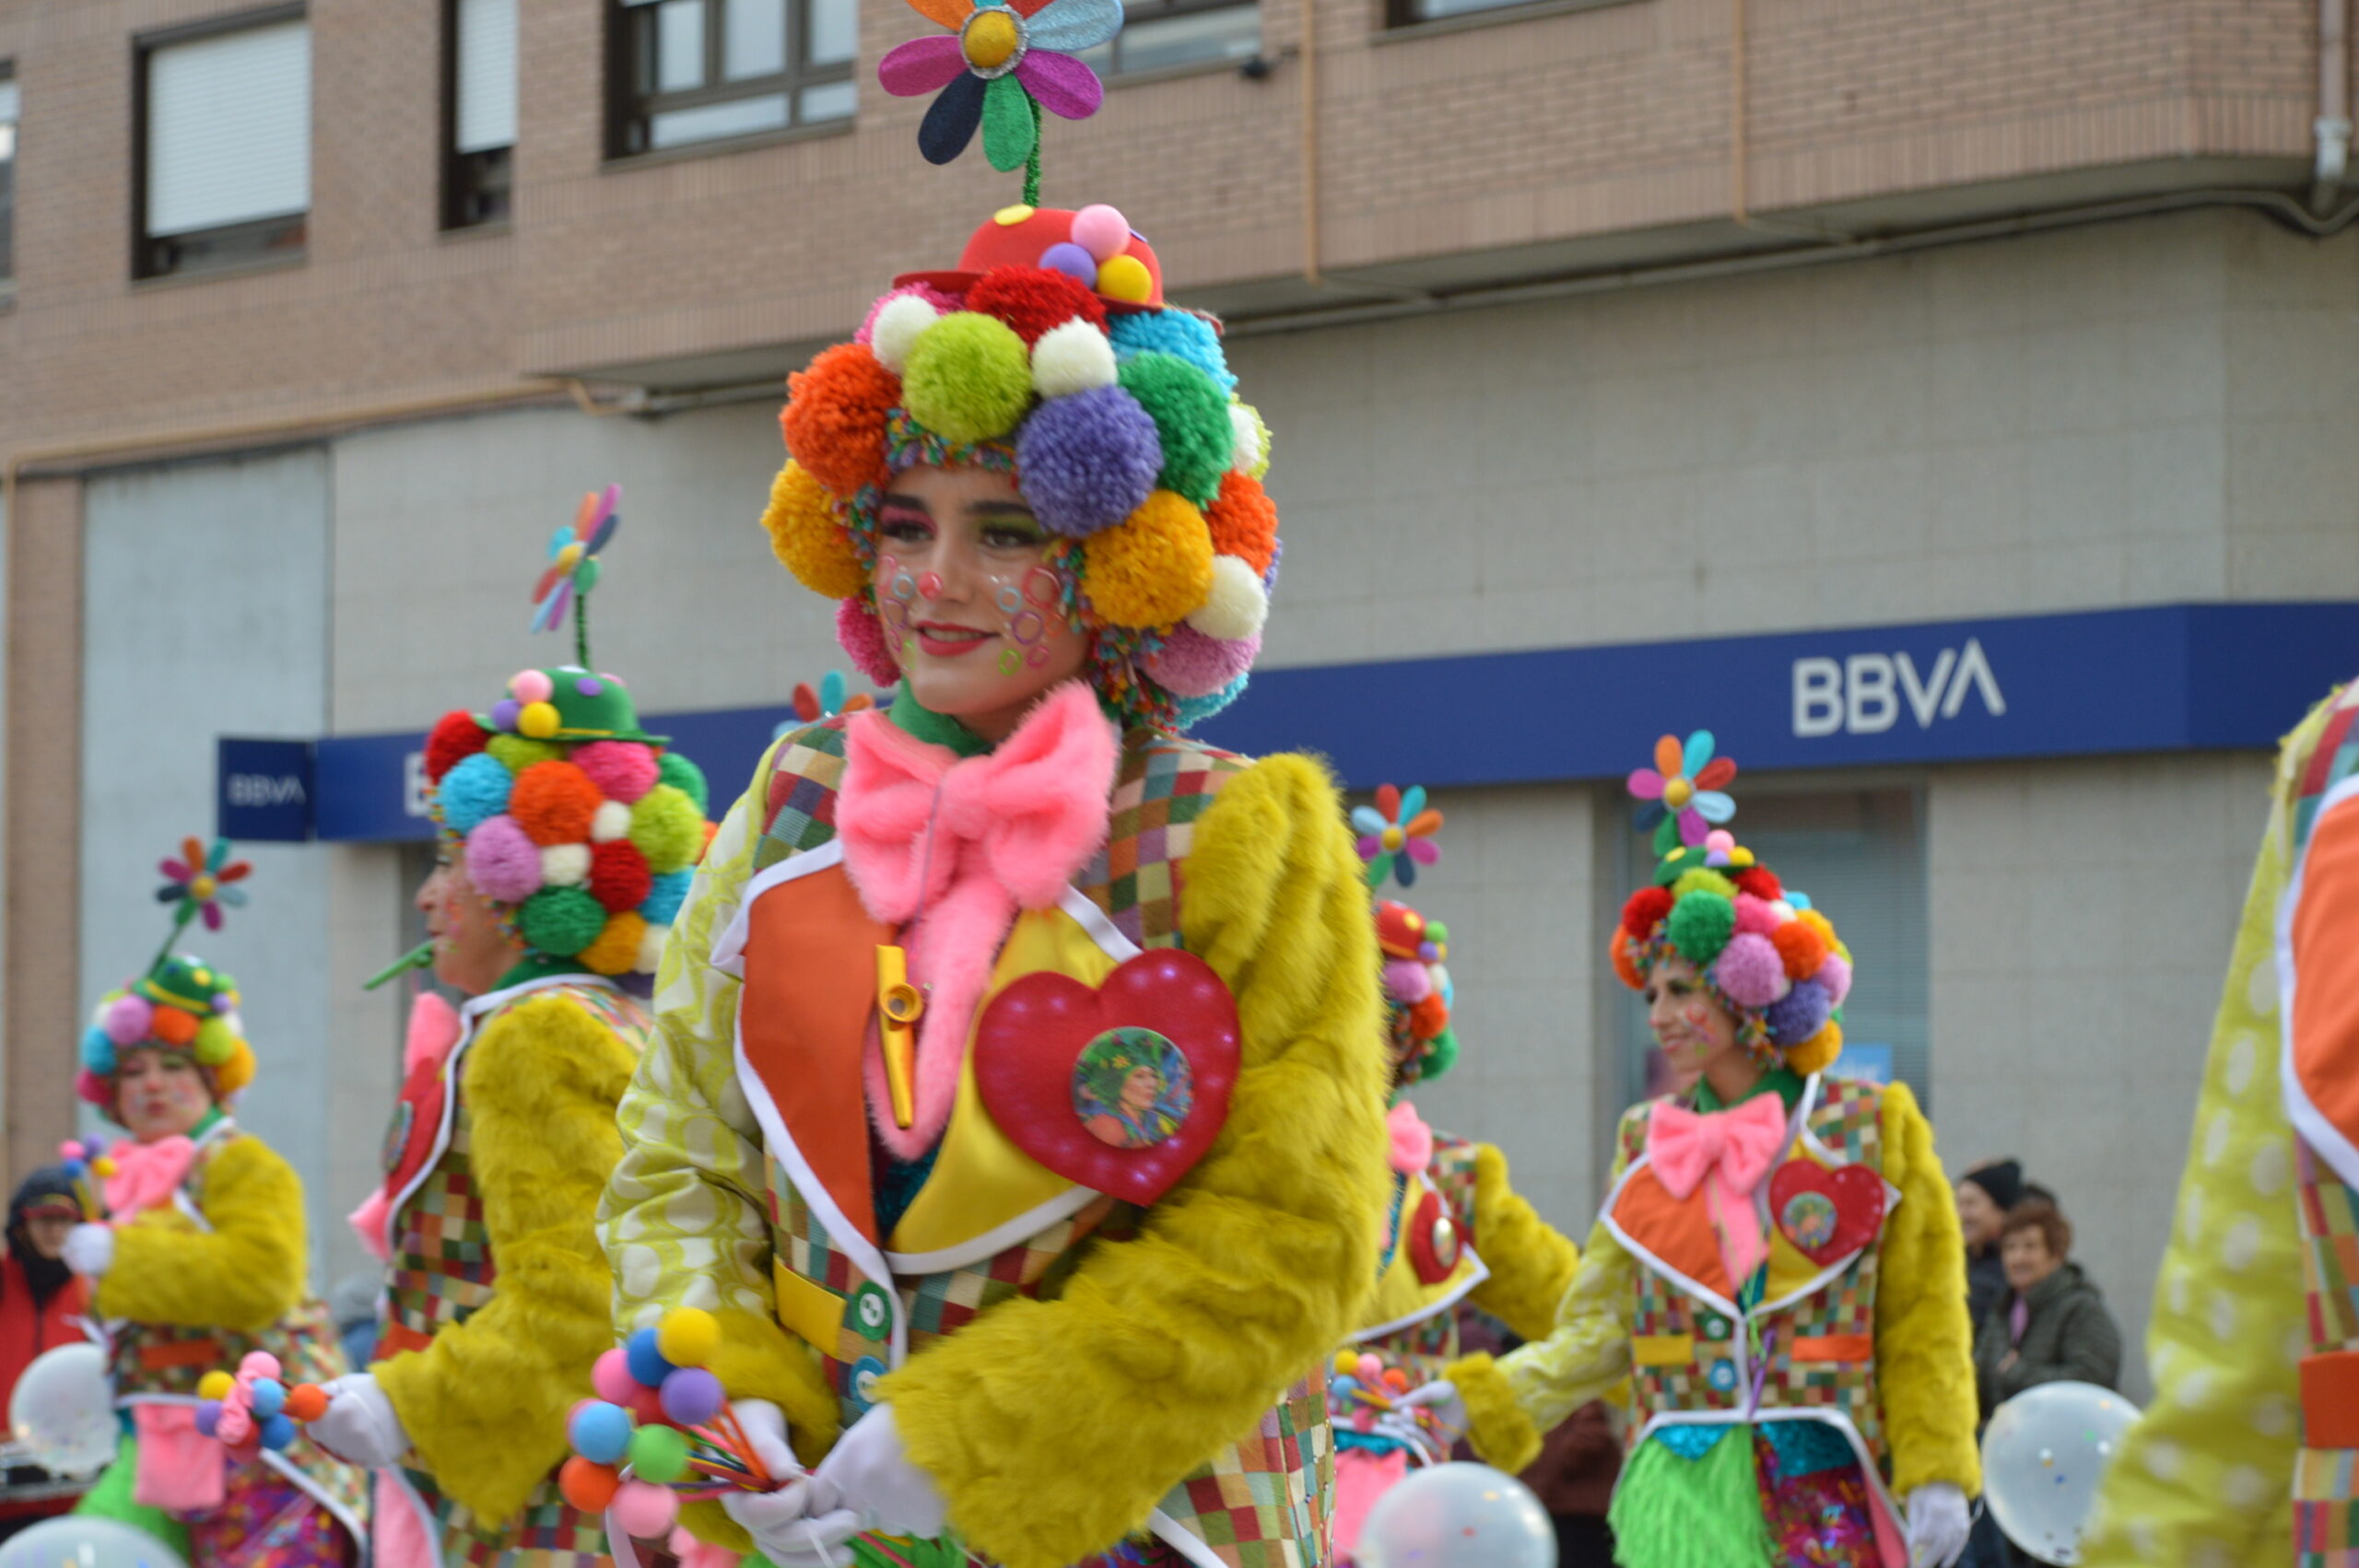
(503, 861)
(1192, 665)
(503, 715)
(128, 1018)
(208, 1416)
(1834, 974)
(1801, 1013)
(862, 637)
(691, 1396)
(1750, 971)
(1070, 259)
(1088, 460)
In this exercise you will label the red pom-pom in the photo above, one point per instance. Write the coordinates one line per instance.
(454, 738)
(1034, 299)
(1429, 1017)
(1802, 949)
(618, 875)
(1626, 968)
(1648, 908)
(1244, 521)
(834, 418)
(1761, 882)
(553, 803)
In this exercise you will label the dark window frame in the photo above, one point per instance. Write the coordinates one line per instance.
(1403, 14)
(8, 186)
(1164, 10)
(631, 112)
(478, 188)
(265, 241)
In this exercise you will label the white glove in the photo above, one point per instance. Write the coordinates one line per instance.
(359, 1424)
(868, 1473)
(1440, 1398)
(784, 1523)
(89, 1249)
(1937, 1525)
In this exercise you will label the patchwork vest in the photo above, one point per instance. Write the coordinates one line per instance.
(1429, 1267)
(442, 1270)
(1806, 1348)
(989, 1223)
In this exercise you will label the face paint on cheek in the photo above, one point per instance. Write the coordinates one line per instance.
(1698, 1016)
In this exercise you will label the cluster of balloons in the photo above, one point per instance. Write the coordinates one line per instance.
(85, 1157)
(654, 1397)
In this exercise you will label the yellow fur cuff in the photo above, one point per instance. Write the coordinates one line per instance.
(757, 1360)
(1495, 1423)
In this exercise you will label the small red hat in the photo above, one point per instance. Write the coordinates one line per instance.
(1096, 245)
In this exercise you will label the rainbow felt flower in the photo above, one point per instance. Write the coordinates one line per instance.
(1684, 784)
(1002, 65)
(573, 557)
(201, 882)
(1397, 835)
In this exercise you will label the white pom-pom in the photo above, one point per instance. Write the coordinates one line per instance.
(896, 327)
(651, 948)
(610, 822)
(1245, 447)
(565, 865)
(1237, 605)
(1071, 358)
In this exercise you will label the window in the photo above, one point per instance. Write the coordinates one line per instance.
(224, 143)
(479, 109)
(689, 71)
(1158, 35)
(7, 173)
(1408, 13)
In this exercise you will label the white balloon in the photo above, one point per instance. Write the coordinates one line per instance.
(1455, 1516)
(63, 1412)
(2043, 1455)
(87, 1540)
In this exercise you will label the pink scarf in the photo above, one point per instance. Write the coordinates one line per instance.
(1731, 1152)
(146, 1176)
(951, 850)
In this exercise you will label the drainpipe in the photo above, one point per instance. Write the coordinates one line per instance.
(1740, 149)
(2332, 127)
(1311, 142)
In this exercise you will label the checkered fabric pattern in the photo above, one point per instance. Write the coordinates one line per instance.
(800, 810)
(2330, 1219)
(2335, 758)
(548, 1534)
(1451, 1170)
(1264, 1503)
(1164, 785)
(2325, 1523)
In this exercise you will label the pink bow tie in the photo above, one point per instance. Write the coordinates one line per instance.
(147, 1175)
(1736, 1147)
(953, 849)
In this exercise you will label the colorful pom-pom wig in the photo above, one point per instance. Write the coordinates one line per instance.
(1766, 955)
(581, 828)
(1049, 355)
(181, 1003)
(1396, 837)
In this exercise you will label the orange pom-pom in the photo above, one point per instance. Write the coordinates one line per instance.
(834, 418)
(588, 1486)
(173, 1027)
(1821, 925)
(616, 952)
(806, 537)
(1244, 521)
(553, 803)
(237, 1072)
(306, 1401)
(1626, 968)
(1801, 947)
(1429, 1016)
(1153, 567)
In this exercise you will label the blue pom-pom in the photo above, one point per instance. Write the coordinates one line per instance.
(1196, 709)
(1171, 332)
(648, 1367)
(664, 897)
(268, 1397)
(277, 1432)
(601, 1433)
(474, 792)
(77, 1171)
(98, 1052)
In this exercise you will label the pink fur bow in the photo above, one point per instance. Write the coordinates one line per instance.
(1413, 1141)
(1734, 1149)
(147, 1175)
(952, 849)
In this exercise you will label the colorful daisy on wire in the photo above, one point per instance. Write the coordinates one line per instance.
(201, 882)
(810, 706)
(573, 569)
(1397, 835)
(1002, 67)
(1680, 796)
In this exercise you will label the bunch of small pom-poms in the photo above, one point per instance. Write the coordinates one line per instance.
(591, 844)
(254, 1410)
(1418, 988)
(660, 1416)
(1126, 440)
(139, 1015)
(1362, 1388)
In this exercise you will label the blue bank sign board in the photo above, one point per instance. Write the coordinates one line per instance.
(2165, 678)
(262, 790)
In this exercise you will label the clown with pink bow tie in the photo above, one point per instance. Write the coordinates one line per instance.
(1777, 1265)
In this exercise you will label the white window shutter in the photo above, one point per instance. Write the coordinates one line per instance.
(229, 129)
(486, 106)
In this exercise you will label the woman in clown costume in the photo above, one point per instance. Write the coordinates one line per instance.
(565, 836)
(1777, 1263)
(862, 1135)
(202, 1260)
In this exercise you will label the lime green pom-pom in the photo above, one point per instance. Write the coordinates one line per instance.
(969, 378)
(667, 829)
(659, 1454)
(686, 777)
(1700, 926)
(560, 922)
(1702, 881)
(215, 1042)
(516, 753)
(1191, 414)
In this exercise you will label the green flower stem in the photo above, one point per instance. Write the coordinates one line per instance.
(1032, 164)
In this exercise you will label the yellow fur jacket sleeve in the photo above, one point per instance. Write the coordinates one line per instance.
(1532, 1261)
(1924, 1345)
(485, 1405)
(1053, 1427)
(242, 1275)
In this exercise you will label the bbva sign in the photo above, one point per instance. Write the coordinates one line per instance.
(1865, 694)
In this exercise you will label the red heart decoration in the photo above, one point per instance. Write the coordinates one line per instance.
(1032, 1036)
(1847, 1217)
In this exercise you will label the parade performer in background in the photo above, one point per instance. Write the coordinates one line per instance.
(565, 837)
(42, 1304)
(1450, 1196)
(870, 1127)
(2247, 1453)
(1777, 1261)
(201, 1260)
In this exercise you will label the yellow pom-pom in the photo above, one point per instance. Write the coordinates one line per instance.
(103, 1165)
(806, 538)
(1817, 1053)
(1124, 278)
(1154, 567)
(616, 952)
(238, 1071)
(1823, 926)
(1703, 881)
(538, 721)
(215, 1384)
(687, 1336)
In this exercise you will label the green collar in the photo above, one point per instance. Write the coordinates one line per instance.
(538, 966)
(913, 719)
(206, 1122)
(1784, 1080)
